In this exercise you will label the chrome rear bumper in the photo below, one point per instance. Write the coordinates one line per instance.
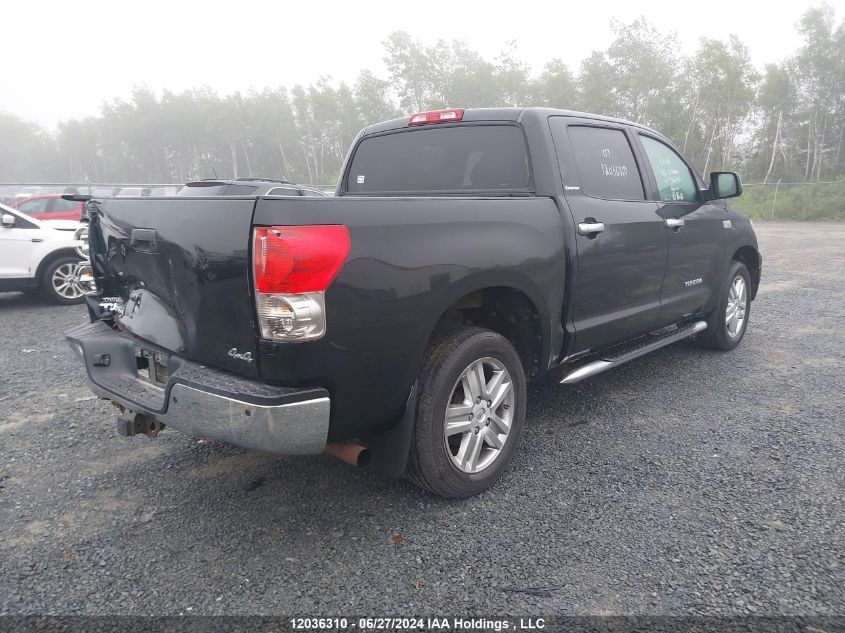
(203, 401)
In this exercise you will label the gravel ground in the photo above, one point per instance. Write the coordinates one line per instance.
(686, 482)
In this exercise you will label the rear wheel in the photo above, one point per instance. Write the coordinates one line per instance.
(60, 281)
(726, 326)
(470, 412)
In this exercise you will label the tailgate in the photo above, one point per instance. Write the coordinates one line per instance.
(176, 273)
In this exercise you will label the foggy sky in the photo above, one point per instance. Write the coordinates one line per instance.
(61, 59)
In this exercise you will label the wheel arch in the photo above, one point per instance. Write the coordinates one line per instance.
(750, 256)
(509, 306)
(47, 260)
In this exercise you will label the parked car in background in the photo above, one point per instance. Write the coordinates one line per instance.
(160, 192)
(7, 196)
(45, 256)
(132, 192)
(248, 187)
(98, 191)
(50, 207)
(27, 192)
(43, 190)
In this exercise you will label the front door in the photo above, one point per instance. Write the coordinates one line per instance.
(695, 231)
(620, 242)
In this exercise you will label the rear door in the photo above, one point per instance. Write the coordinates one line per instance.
(694, 230)
(621, 242)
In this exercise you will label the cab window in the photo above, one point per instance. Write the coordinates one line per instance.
(606, 164)
(450, 159)
(675, 182)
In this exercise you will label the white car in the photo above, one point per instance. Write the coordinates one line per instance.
(43, 256)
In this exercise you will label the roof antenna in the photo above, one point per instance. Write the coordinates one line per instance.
(214, 173)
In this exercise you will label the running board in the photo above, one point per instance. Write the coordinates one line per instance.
(609, 362)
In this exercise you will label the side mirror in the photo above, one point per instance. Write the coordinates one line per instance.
(725, 184)
(8, 220)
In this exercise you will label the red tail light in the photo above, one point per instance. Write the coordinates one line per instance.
(296, 259)
(437, 116)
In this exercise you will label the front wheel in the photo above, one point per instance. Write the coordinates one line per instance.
(60, 281)
(728, 323)
(470, 412)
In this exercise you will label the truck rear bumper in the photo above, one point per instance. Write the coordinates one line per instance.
(201, 400)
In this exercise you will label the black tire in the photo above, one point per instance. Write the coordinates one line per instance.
(717, 336)
(451, 351)
(45, 282)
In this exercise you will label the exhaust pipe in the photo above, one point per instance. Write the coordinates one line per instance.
(349, 452)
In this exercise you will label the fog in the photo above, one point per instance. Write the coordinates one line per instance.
(62, 60)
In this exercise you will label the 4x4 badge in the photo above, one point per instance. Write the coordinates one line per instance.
(247, 356)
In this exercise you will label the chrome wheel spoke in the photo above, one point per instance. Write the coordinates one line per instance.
(500, 424)
(493, 386)
(469, 451)
(474, 383)
(492, 438)
(458, 419)
(499, 396)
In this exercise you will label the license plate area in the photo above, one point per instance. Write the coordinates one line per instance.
(152, 367)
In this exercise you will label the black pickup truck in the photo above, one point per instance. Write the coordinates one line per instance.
(464, 253)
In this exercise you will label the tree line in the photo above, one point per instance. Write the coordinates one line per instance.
(784, 121)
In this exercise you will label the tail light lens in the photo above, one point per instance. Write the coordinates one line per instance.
(292, 267)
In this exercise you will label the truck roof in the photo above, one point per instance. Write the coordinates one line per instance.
(502, 114)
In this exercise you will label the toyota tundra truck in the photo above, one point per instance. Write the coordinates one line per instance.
(465, 253)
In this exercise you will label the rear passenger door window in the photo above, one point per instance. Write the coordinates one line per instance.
(675, 182)
(606, 163)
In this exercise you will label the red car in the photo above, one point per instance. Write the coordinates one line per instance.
(50, 207)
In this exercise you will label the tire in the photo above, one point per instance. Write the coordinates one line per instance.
(56, 274)
(723, 333)
(448, 379)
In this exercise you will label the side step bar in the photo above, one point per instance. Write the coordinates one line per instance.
(598, 366)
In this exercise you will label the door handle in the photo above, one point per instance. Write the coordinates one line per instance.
(590, 228)
(675, 224)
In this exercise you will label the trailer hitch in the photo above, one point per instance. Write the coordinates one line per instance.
(131, 423)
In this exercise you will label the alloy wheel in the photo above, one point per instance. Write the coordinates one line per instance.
(479, 415)
(65, 282)
(735, 312)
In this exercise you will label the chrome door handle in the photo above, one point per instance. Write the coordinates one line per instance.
(675, 223)
(590, 228)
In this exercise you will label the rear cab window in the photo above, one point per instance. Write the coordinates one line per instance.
(448, 159)
(605, 163)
